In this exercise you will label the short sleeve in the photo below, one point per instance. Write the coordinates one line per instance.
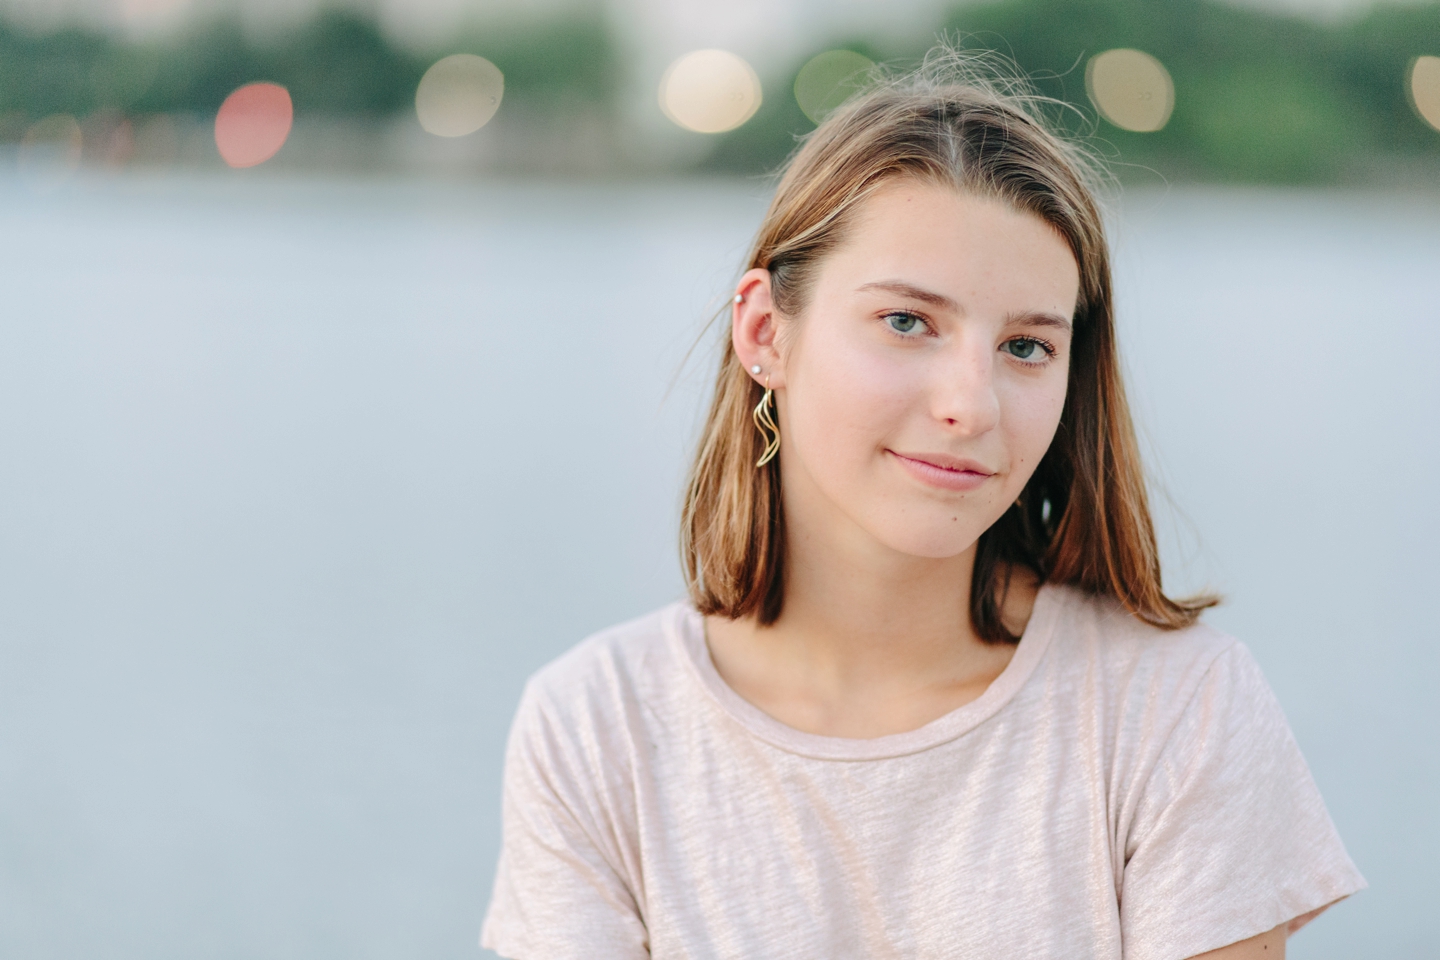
(560, 889)
(1230, 837)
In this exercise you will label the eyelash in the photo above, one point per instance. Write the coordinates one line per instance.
(1040, 342)
(904, 313)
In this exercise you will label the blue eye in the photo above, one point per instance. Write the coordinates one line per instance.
(905, 323)
(1024, 348)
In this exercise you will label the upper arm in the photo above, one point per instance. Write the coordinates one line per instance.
(1269, 945)
(1230, 836)
(562, 888)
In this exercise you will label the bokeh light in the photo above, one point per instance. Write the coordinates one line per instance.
(458, 95)
(1131, 89)
(710, 91)
(828, 80)
(1425, 89)
(50, 150)
(253, 124)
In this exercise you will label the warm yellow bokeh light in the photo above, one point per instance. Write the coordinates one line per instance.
(1425, 89)
(458, 95)
(710, 91)
(828, 80)
(1131, 89)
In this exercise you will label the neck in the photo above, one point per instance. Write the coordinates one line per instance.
(857, 612)
(871, 641)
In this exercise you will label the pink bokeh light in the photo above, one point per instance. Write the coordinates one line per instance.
(253, 123)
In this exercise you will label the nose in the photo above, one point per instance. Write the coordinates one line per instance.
(963, 395)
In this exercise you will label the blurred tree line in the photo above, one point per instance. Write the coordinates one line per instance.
(1258, 96)
(338, 64)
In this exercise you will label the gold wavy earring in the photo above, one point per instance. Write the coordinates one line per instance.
(765, 423)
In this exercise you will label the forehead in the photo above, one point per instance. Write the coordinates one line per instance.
(972, 248)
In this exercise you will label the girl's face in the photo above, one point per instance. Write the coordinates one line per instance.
(925, 377)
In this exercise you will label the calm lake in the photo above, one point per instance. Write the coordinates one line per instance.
(300, 480)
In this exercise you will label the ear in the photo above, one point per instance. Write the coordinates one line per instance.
(753, 326)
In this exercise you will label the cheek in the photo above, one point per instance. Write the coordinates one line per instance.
(1031, 414)
(843, 400)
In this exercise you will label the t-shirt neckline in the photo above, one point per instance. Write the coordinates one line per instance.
(686, 629)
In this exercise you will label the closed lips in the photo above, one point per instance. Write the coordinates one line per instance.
(943, 470)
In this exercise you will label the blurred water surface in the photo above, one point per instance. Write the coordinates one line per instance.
(299, 480)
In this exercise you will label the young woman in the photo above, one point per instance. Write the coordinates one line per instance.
(927, 697)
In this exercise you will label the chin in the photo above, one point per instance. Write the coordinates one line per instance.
(937, 537)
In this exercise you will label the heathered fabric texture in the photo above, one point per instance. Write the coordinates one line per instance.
(1117, 792)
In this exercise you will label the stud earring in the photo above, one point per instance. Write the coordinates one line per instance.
(739, 298)
(755, 369)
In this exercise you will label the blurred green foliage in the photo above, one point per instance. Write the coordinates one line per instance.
(1259, 97)
(338, 64)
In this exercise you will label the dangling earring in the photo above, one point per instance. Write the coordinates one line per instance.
(765, 423)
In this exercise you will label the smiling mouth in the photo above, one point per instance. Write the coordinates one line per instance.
(943, 471)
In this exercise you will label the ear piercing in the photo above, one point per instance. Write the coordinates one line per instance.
(740, 298)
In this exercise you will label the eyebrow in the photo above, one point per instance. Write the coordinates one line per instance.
(1040, 320)
(910, 291)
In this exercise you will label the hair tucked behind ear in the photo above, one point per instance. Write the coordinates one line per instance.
(1083, 519)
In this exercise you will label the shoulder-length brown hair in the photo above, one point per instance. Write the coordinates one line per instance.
(1083, 518)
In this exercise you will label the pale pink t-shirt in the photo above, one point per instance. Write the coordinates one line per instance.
(1118, 792)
